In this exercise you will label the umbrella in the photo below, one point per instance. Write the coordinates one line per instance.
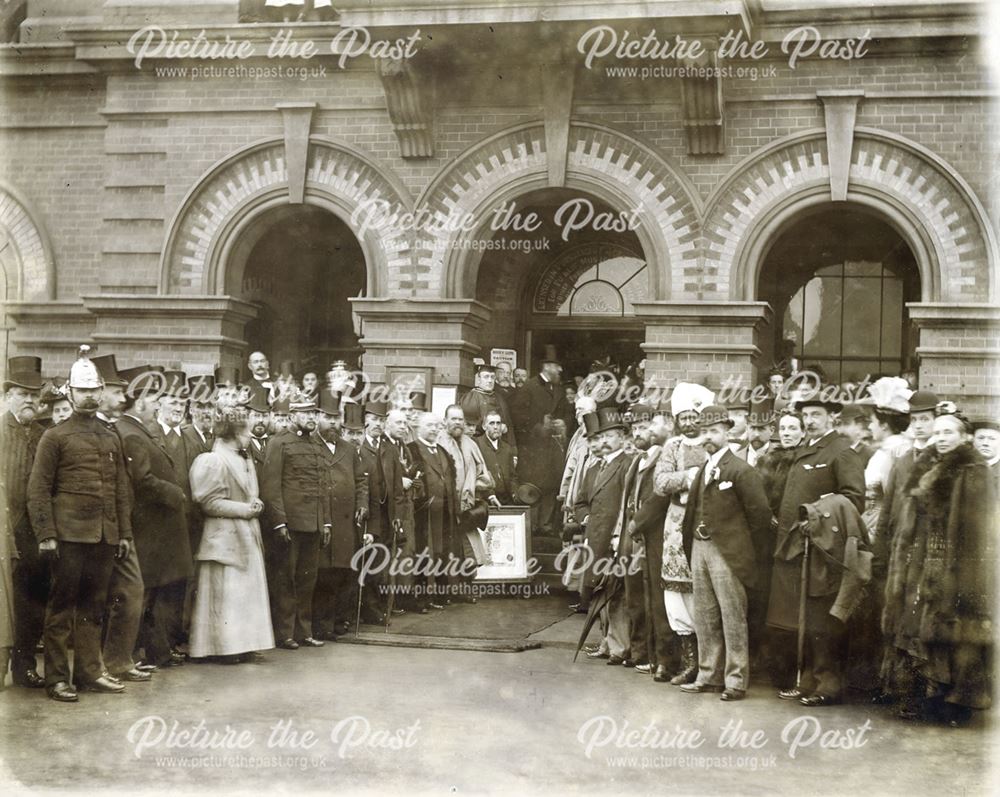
(605, 593)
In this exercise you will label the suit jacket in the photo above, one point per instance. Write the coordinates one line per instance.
(346, 489)
(17, 454)
(78, 489)
(500, 464)
(292, 485)
(532, 402)
(194, 445)
(599, 508)
(159, 511)
(177, 447)
(435, 503)
(385, 486)
(735, 512)
(643, 506)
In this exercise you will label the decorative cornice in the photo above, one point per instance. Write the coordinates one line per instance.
(467, 311)
(176, 306)
(953, 314)
(687, 313)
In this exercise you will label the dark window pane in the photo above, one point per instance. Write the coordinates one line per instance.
(821, 326)
(864, 268)
(892, 314)
(862, 305)
(856, 370)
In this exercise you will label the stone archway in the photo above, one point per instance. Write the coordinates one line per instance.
(229, 198)
(926, 201)
(25, 253)
(606, 163)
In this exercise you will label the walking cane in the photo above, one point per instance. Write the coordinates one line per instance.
(803, 592)
(647, 589)
(397, 525)
(361, 586)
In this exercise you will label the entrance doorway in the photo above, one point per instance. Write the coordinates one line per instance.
(301, 265)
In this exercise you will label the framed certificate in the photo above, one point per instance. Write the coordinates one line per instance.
(507, 545)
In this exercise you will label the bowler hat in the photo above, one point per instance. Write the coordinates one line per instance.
(923, 401)
(201, 388)
(853, 412)
(227, 376)
(108, 369)
(817, 397)
(24, 372)
(713, 414)
(641, 412)
(354, 416)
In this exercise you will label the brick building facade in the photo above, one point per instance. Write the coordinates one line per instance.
(176, 217)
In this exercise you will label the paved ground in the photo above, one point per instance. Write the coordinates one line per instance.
(441, 721)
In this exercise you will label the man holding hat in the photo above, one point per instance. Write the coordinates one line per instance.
(727, 511)
(78, 503)
(19, 436)
(824, 464)
(294, 490)
(675, 471)
(159, 517)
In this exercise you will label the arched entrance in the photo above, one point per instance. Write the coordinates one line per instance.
(838, 280)
(568, 296)
(300, 264)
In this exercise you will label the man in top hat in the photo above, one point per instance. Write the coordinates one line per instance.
(986, 439)
(385, 485)
(227, 386)
(759, 431)
(19, 436)
(500, 459)
(675, 471)
(259, 383)
(346, 488)
(294, 488)
(353, 425)
(126, 590)
(824, 464)
(78, 503)
(484, 398)
(645, 513)
(598, 510)
(533, 408)
(259, 423)
(727, 511)
(159, 518)
(281, 419)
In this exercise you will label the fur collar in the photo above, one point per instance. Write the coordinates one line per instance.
(934, 475)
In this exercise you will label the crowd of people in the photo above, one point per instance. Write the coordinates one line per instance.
(823, 542)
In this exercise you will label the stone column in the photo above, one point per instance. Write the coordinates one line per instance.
(959, 353)
(705, 342)
(436, 333)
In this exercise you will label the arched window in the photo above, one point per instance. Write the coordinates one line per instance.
(838, 282)
(593, 279)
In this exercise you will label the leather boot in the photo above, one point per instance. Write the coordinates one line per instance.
(689, 661)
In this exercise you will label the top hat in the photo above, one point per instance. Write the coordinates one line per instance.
(923, 401)
(604, 420)
(478, 515)
(376, 408)
(329, 403)
(175, 384)
(853, 412)
(761, 412)
(24, 372)
(302, 403)
(143, 381)
(108, 369)
(713, 414)
(419, 401)
(227, 376)
(201, 388)
(528, 494)
(280, 407)
(354, 417)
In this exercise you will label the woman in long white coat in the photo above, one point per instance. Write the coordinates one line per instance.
(231, 619)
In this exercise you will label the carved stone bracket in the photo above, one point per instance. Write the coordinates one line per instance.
(297, 117)
(839, 110)
(701, 99)
(408, 101)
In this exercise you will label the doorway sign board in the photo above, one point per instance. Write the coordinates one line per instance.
(508, 356)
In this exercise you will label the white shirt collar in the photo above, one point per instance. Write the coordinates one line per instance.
(168, 429)
(609, 458)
